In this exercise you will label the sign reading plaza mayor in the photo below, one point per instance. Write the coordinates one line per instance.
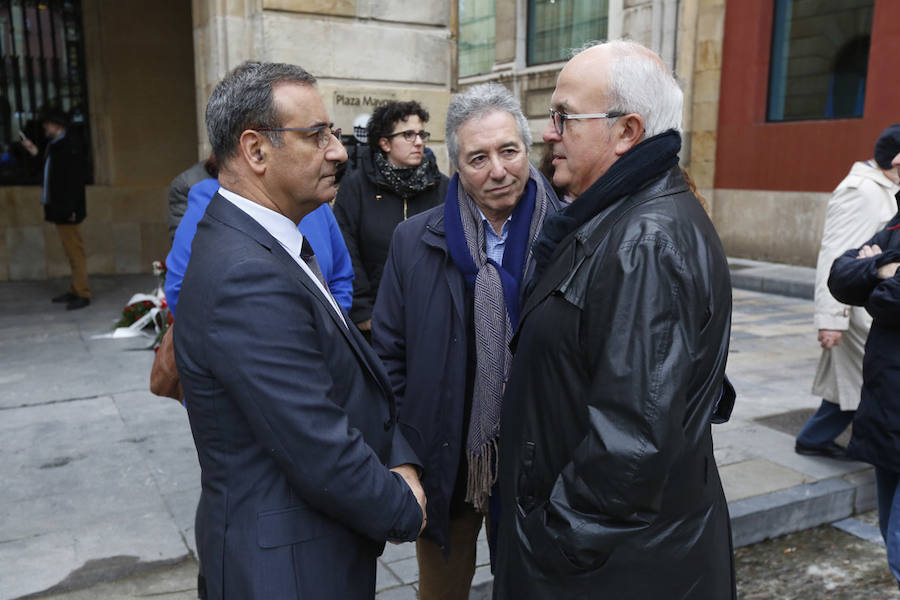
(346, 103)
(371, 101)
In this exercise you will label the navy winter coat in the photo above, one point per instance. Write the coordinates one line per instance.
(421, 329)
(876, 425)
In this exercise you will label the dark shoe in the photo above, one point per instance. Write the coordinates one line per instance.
(67, 297)
(77, 302)
(829, 450)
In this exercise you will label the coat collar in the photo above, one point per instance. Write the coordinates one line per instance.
(867, 170)
(584, 241)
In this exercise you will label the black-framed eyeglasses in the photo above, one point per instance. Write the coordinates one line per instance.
(410, 135)
(323, 133)
(559, 118)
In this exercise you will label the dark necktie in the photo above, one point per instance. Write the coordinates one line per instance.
(309, 257)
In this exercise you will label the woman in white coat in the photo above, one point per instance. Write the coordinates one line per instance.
(859, 207)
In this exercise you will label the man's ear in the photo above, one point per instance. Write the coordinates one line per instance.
(253, 150)
(630, 129)
(385, 145)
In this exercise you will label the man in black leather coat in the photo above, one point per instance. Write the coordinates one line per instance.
(607, 477)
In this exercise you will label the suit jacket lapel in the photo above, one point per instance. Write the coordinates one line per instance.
(223, 210)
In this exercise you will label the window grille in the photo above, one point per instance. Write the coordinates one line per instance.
(41, 66)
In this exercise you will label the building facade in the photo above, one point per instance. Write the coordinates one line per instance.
(806, 89)
(136, 77)
(781, 96)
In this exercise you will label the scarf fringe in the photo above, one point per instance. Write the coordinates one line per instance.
(482, 474)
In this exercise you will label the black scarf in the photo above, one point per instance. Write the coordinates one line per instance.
(645, 162)
(406, 182)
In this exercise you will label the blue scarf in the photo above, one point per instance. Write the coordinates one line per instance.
(514, 254)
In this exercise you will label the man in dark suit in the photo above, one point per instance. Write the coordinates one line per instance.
(64, 201)
(292, 413)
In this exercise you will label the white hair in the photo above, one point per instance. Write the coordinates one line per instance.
(639, 82)
(475, 103)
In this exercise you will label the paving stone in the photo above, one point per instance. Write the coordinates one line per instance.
(395, 552)
(758, 476)
(406, 570)
(862, 530)
(769, 515)
(406, 592)
(384, 578)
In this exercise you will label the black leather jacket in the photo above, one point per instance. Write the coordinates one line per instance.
(608, 481)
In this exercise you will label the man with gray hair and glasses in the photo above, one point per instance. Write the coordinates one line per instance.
(291, 411)
(608, 484)
(445, 312)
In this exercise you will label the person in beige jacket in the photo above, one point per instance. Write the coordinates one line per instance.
(859, 207)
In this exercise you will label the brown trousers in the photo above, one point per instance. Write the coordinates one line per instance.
(70, 236)
(450, 579)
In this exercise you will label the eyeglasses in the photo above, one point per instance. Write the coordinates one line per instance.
(559, 118)
(323, 133)
(410, 136)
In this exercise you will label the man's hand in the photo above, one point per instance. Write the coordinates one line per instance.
(29, 146)
(887, 271)
(411, 477)
(365, 325)
(869, 251)
(829, 338)
(884, 271)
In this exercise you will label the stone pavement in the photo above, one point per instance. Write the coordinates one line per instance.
(101, 478)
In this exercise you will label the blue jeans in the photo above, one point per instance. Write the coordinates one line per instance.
(887, 484)
(826, 424)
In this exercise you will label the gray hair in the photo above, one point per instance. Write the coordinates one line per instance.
(476, 102)
(243, 100)
(639, 82)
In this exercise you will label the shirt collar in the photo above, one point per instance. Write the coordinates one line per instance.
(490, 228)
(279, 226)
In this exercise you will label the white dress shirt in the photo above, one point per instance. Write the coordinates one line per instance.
(285, 231)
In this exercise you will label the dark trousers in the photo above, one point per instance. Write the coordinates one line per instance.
(450, 579)
(826, 424)
(887, 486)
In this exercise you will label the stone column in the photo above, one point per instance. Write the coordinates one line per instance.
(223, 38)
(701, 32)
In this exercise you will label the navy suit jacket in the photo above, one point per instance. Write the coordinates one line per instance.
(293, 419)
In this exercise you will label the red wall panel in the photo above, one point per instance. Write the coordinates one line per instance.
(802, 155)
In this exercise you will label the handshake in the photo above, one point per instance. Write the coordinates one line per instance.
(411, 477)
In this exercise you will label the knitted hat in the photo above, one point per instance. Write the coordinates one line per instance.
(887, 146)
